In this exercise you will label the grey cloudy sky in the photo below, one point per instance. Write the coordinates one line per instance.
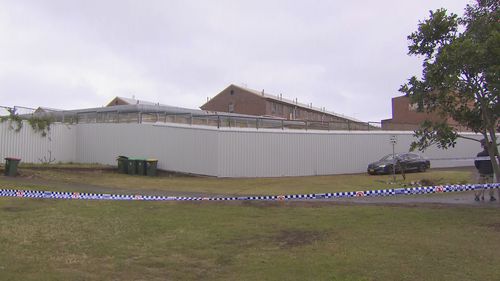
(347, 56)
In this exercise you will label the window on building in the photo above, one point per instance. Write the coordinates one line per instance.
(279, 109)
(230, 107)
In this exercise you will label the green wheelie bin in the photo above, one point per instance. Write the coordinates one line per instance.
(151, 165)
(132, 166)
(11, 166)
(122, 164)
(141, 166)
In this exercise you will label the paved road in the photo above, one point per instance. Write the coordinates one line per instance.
(454, 198)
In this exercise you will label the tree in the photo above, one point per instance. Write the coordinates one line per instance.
(39, 124)
(460, 76)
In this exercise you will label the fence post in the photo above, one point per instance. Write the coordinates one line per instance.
(282, 124)
(257, 123)
(306, 124)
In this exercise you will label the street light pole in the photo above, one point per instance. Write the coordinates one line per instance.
(393, 142)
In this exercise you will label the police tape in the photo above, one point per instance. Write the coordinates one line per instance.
(20, 193)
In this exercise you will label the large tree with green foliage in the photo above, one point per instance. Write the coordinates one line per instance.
(460, 77)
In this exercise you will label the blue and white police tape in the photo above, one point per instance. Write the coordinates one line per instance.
(20, 193)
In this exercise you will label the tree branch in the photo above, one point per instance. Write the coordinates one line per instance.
(467, 138)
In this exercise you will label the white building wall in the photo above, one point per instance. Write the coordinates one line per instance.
(31, 147)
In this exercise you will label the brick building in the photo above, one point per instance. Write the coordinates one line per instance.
(406, 117)
(242, 100)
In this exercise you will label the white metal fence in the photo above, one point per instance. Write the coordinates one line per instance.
(224, 152)
(58, 146)
(274, 154)
(185, 150)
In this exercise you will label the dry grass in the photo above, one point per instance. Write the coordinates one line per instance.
(85, 179)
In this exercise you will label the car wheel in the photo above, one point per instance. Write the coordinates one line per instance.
(388, 170)
(422, 168)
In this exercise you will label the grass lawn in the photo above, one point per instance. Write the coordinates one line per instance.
(133, 240)
(96, 240)
(78, 178)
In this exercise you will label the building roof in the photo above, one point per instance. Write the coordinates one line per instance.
(131, 106)
(132, 101)
(279, 98)
(46, 109)
(135, 105)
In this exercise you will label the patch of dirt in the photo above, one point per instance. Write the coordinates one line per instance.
(12, 209)
(100, 170)
(69, 169)
(284, 239)
(494, 226)
(262, 204)
(297, 238)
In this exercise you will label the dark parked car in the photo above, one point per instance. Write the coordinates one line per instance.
(406, 161)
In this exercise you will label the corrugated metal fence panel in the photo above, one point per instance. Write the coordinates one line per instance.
(181, 149)
(272, 154)
(31, 147)
(268, 153)
(223, 153)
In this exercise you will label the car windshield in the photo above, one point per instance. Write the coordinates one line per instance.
(389, 157)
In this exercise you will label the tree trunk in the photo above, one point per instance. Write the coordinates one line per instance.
(490, 128)
(494, 157)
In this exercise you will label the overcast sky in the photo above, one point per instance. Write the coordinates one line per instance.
(347, 56)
